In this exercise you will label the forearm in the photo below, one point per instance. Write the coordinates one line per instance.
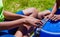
(54, 9)
(12, 16)
(11, 24)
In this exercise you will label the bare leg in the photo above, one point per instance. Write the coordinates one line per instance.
(18, 34)
(22, 31)
(31, 12)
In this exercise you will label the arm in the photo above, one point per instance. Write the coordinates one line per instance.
(16, 23)
(11, 24)
(52, 13)
(54, 9)
(12, 16)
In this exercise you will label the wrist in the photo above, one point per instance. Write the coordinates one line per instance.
(52, 14)
(23, 20)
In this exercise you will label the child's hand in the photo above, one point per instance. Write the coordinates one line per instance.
(55, 18)
(33, 21)
(49, 16)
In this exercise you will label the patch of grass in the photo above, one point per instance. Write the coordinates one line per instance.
(15, 5)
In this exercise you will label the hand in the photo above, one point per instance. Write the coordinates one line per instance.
(49, 16)
(33, 21)
(55, 18)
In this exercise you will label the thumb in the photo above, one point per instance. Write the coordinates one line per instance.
(46, 17)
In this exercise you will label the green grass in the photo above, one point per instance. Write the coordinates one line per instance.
(15, 5)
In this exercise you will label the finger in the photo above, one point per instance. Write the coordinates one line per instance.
(34, 24)
(46, 17)
(56, 19)
(39, 22)
(53, 17)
